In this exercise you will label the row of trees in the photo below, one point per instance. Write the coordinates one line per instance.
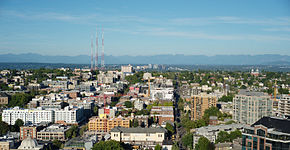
(224, 136)
(4, 127)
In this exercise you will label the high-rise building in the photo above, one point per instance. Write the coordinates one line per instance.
(248, 106)
(284, 105)
(127, 69)
(200, 103)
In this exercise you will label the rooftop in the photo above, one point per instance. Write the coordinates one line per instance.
(138, 130)
(278, 124)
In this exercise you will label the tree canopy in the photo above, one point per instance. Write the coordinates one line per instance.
(108, 145)
(204, 144)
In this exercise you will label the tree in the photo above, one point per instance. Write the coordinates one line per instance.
(4, 128)
(243, 87)
(170, 128)
(235, 134)
(16, 127)
(57, 144)
(108, 145)
(135, 123)
(228, 98)
(72, 132)
(187, 140)
(204, 144)
(175, 146)
(222, 137)
(83, 129)
(158, 147)
(128, 104)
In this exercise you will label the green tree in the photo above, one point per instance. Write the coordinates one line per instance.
(108, 145)
(235, 134)
(187, 140)
(222, 137)
(72, 132)
(128, 104)
(158, 147)
(175, 146)
(204, 144)
(135, 123)
(83, 129)
(57, 144)
(4, 128)
(170, 128)
(16, 127)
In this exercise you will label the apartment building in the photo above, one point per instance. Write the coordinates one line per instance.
(249, 107)
(28, 116)
(4, 98)
(28, 131)
(69, 115)
(200, 103)
(162, 113)
(53, 132)
(284, 105)
(105, 124)
(144, 137)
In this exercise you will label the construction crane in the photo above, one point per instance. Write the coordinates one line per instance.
(275, 91)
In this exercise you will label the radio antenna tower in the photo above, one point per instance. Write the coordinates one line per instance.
(96, 56)
(92, 54)
(103, 51)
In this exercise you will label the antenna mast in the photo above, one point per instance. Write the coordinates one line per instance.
(103, 51)
(92, 53)
(96, 56)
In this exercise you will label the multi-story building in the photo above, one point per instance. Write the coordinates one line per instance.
(127, 69)
(69, 115)
(4, 98)
(249, 106)
(28, 116)
(6, 144)
(200, 103)
(157, 93)
(162, 113)
(267, 134)
(144, 137)
(284, 105)
(53, 132)
(211, 132)
(106, 124)
(139, 104)
(110, 112)
(28, 131)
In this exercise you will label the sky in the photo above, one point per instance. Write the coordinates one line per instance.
(148, 27)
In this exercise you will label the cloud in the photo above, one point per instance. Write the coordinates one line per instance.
(285, 29)
(281, 21)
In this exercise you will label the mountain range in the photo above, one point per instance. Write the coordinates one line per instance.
(266, 59)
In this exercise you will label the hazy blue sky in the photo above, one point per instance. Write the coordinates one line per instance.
(135, 27)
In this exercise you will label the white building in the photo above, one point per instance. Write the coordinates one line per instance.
(127, 69)
(161, 93)
(71, 115)
(144, 137)
(139, 104)
(30, 116)
(284, 105)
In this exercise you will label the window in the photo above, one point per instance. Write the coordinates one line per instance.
(159, 135)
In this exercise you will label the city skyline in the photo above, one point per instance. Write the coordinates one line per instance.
(146, 28)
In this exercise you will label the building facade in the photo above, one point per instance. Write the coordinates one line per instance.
(267, 134)
(144, 137)
(29, 116)
(26, 131)
(200, 103)
(69, 115)
(284, 106)
(4, 98)
(53, 132)
(106, 124)
(249, 107)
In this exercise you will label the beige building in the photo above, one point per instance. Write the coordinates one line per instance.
(284, 105)
(106, 124)
(53, 132)
(6, 145)
(144, 137)
(4, 98)
(200, 103)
